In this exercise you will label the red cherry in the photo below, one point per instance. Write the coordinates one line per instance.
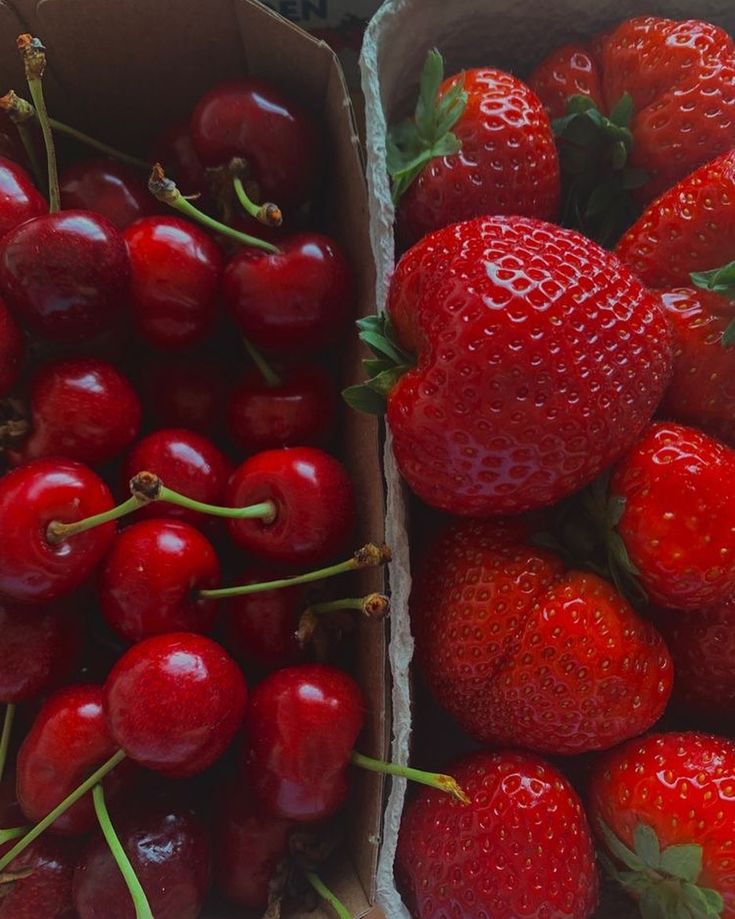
(65, 275)
(83, 409)
(187, 463)
(296, 300)
(20, 200)
(174, 703)
(150, 579)
(34, 568)
(68, 741)
(108, 188)
(169, 851)
(11, 350)
(300, 409)
(176, 273)
(39, 648)
(313, 505)
(175, 150)
(180, 392)
(38, 883)
(250, 119)
(249, 847)
(300, 730)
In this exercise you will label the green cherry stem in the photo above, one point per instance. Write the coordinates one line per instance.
(140, 901)
(13, 832)
(444, 783)
(268, 214)
(326, 894)
(264, 368)
(34, 62)
(369, 556)
(165, 190)
(5, 736)
(375, 606)
(79, 792)
(265, 510)
(57, 531)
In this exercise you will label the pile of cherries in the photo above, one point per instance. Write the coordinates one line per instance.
(123, 330)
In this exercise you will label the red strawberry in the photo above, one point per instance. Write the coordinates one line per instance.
(678, 518)
(499, 158)
(521, 848)
(665, 808)
(540, 360)
(641, 107)
(525, 654)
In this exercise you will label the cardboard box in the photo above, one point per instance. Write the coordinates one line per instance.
(122, 71)
(513, 35)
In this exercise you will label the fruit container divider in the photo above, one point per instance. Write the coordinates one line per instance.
(122, 71)
(512, 35)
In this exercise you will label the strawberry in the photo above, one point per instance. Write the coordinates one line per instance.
(521, 848)
(637, 110)
(524, 653)
(677, 522)
(540, 358)
(664, 807)
(479, 143)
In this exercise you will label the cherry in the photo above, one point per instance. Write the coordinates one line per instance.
(296, 299)
(150, 579)
(68, 740)
(249, 847)
(108, 188)
(175, 149)
(83, 409)
(249, 118)
(313, 505)
(38, 883)
(65, 275)
(187, 463)
(176, 273)
(11, 350)
(180, 392)
(298, 408)
(20, 200)
(174, 703)
(169, 851)
(35, 567)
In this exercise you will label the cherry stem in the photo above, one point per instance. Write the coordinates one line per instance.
(57, 531)
(13, 832)
(375, 606)
(268, 214)
(79, 792)
(34, 62)
(164, 189)
(266, 371)
(140, 901)
(368, 556)
(444, 783)
(326, 894)
(5, 736)
(24, 132)
(265, 511)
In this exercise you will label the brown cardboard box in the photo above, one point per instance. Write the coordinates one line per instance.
(121, 71)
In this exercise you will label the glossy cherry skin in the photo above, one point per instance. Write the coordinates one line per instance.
(176, 275)
(65, 275)
(251, 119)
(186, 462)
(20, 200)
(68, 741)
(174, 149)
(32, 569)
(250, 844)
(39, 648)
(43, 885)
(300, 410)
(11, 350)
(179, 392)
(83, 409)
(108, 188)
(170, 852)
(174, 702)
(296, 300)
(314, 505)
(149, 581)
(300, 730)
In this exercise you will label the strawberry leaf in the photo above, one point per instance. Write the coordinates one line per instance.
(384, 370)
(728, 336)
(717, 281)
(363, 399)
(622, 113)
(620, 851)
(683, 861)
(647, 845)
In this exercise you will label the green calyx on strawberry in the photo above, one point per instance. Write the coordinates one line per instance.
(594, 152)
(389, 363)
(663, 880)
(412, 143)
(719, 281)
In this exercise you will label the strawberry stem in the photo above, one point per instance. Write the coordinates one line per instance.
(5, 736)
(326, 894)
(34, 62)
(444, 783)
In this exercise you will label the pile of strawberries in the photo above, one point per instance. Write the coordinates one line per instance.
(556, 367)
